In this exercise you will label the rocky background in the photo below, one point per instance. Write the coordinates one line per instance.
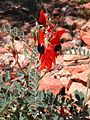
(74, 15)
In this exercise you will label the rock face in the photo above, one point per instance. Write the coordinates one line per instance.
(66, 37)
(86, 26)
(3, 50)
(85, 33)
(54, 85)
(79, 22)
(85, 36)
(74, 57)
(86, 6)
(4, 38)
(81, 77)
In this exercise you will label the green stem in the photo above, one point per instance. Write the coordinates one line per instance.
(88, 82)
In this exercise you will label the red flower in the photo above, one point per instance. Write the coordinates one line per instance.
(56, 39)
(48, 58)
(44, 52)
(45, 64)
(42, 18)
(49, 52)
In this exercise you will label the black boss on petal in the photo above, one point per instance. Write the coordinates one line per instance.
(57, 47)
(41, 48)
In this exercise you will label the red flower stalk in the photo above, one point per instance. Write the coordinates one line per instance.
(48, 43)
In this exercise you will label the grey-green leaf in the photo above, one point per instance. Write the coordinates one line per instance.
(44, 117)
(7, 76)
(1, 80)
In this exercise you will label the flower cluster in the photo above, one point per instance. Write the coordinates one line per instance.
(48, 41)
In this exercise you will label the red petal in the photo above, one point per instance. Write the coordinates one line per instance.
(50, 28)
(41, 37)
(51, 53)
(59, 33)
(56, 39)
(42, 57)
(48, 59)
(42, 18)
(43, 65)
(48, 62)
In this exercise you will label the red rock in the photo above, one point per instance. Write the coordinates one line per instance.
(64, 73)
(77, 41)
(54, 85)
(86, 26)
(19, 46)
(59, 59)
(25, 62)
(86, 61)
(56, 12)
(81, 77)
(69, 20)
(58, 28)
(85, 36)
(3, 50)
(4, 38)
(79, 87)
(21, 58)
(72, 57)
(86, 6)
(69, 63)
(76, 69)
(68, 44)
(66, 36)
(79, 22)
